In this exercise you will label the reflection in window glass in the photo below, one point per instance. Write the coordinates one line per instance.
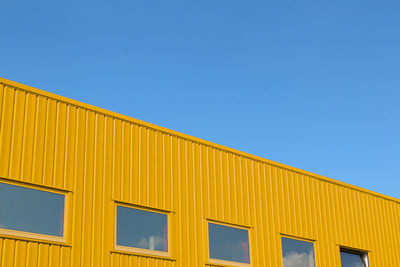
(142, 229)
(31, 210)
(350, 259)
(228, 243)
(297, 253)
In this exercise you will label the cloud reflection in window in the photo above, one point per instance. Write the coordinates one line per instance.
(297, 253)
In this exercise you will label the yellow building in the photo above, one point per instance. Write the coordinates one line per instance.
(83, 186)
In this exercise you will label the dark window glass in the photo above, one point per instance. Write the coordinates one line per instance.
(228, 243)
(142, 229)
(353, 259)
(297, 253)
(31, 210)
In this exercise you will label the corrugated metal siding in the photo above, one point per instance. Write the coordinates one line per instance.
(100, 157)
(33, 254)
(123, 260)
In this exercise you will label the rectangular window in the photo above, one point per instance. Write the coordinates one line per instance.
(137, 228)
(297, 253)
(228, 243)
(31, 210)
(350, 258)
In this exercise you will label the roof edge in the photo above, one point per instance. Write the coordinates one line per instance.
(192, 138)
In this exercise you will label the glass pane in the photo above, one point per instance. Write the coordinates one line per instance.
(297, 253)
(142, 229)
(31, 210)
(228, 243)
(351, 259)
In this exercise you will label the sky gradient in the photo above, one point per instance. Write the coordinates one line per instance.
(311, 84)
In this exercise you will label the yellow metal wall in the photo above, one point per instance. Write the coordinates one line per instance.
(99, 157)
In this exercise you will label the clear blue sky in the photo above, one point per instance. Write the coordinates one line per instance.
(312, 84)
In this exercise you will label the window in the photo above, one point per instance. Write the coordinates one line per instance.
(350, 258)
(137, 228)
(30, 210)
(228, 243)
(297, 253)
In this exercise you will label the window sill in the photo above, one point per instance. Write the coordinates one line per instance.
(32, 237)
(223, 263)
(143, 253)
